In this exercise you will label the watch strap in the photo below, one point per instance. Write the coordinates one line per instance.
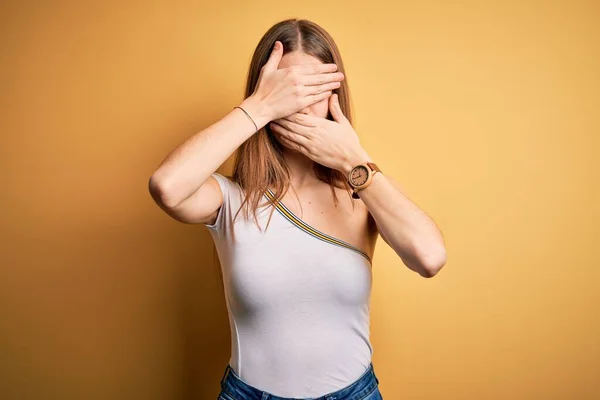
(373, 167)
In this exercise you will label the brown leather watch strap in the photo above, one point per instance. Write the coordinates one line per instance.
(373, 166)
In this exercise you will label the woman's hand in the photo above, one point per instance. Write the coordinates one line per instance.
(333, 144)
(285, 91)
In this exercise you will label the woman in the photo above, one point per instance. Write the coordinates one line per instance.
(297, 276)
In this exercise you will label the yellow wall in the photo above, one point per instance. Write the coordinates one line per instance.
(486, 112)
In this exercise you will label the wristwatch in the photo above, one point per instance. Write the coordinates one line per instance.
(360, 177)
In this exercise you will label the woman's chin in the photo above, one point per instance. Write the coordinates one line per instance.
(286, 147)
(289, 149)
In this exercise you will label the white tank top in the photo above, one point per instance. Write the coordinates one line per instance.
(298, 300)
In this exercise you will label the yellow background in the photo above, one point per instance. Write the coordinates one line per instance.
(486, 112)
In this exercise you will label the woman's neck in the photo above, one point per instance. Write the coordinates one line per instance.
(301, 169)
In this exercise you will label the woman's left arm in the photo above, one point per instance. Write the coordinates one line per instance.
(406, 228)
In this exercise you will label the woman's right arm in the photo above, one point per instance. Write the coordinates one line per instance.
(174, 184)
(183, 186)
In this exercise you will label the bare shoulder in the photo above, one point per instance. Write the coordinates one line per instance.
(360, 220)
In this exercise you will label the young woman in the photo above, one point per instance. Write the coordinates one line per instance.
(297, 275)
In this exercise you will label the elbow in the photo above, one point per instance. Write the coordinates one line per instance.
(433, 263)
(159, 192)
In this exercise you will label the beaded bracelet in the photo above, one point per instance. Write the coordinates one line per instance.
(248, 117)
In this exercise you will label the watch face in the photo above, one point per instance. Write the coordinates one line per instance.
(359, 175)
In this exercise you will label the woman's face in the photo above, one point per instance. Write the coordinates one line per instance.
(320, 108)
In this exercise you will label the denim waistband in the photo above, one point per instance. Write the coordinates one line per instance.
(237, 389)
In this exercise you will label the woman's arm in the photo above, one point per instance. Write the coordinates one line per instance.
(279, 91)
(335, 144)
(190, 164)
(412, 234)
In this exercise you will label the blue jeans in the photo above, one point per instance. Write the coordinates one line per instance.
(364, 388)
